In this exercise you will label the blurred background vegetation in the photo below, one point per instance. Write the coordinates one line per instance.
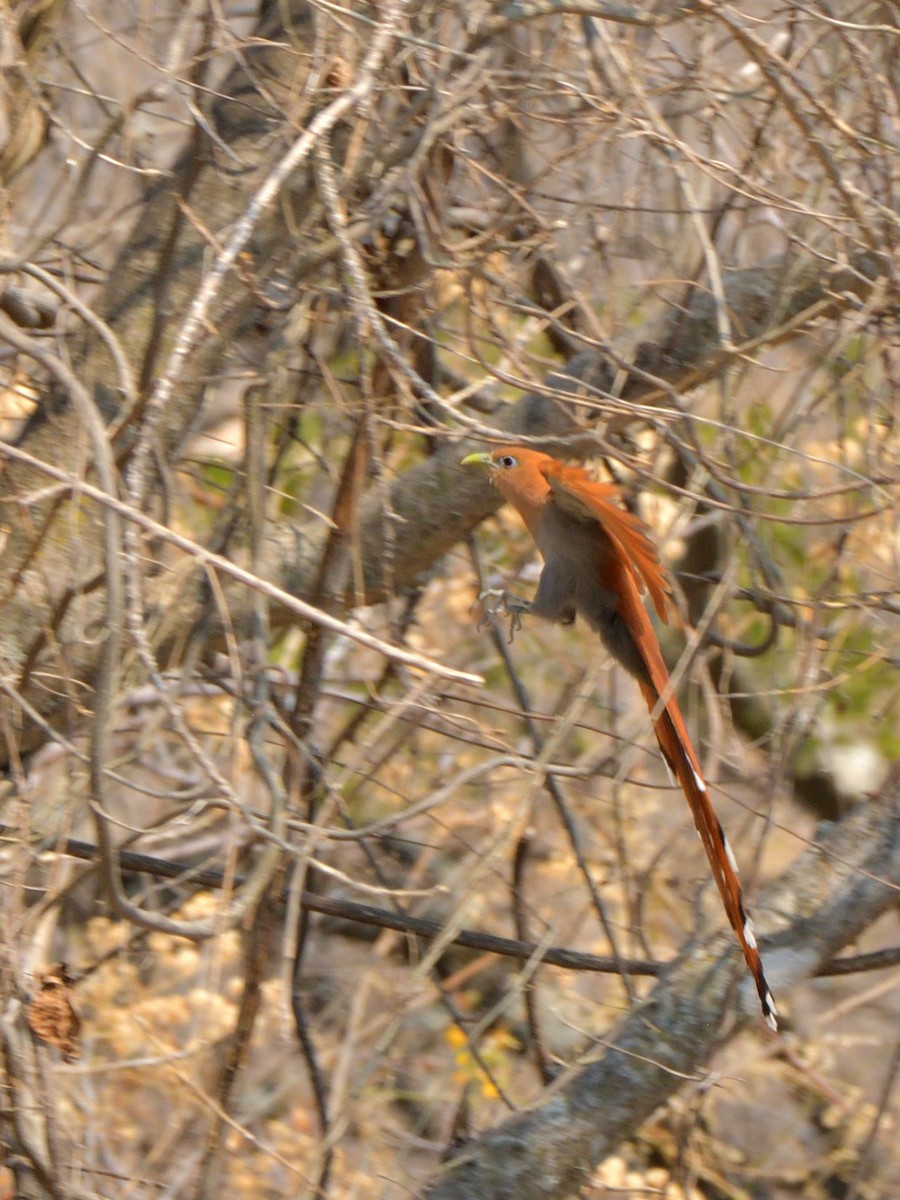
(268, 272)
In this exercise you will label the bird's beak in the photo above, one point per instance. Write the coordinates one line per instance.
(484, 459)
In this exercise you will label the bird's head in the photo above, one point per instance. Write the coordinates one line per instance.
(516, 471)
(510, 466)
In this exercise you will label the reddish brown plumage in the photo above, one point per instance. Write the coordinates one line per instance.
(598, 558)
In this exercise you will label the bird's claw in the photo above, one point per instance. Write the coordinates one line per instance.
(495, 602)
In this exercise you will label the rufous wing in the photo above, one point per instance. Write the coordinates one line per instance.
(576, 494)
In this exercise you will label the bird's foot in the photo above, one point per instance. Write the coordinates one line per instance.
(495, 602)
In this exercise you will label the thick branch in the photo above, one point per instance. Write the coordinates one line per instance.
(436, 504)
(828, 897)
(431, 508)
(52, 585)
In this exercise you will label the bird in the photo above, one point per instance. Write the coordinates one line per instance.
(598, 560)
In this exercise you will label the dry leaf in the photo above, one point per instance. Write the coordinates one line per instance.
(52, 1016)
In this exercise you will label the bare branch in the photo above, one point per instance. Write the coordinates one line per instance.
(833, 892)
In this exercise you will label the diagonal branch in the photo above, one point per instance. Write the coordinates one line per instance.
(829, 896)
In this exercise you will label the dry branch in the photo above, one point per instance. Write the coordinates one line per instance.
(403, 533)
(344, 252)
(436, 505)
(827, 898)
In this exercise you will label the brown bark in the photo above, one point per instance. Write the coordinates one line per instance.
(827, 898)
(52, 613)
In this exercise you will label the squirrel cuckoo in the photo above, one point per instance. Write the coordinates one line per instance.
(598, 558)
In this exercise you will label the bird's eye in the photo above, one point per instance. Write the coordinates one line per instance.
(507, 460)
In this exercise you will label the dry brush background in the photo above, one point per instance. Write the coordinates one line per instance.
(311, 886)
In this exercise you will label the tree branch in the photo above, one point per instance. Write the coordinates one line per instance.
(829, 896)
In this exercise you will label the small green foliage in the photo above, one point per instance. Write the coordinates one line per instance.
(887, 739)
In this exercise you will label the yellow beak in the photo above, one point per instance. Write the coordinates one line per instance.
(484, 459)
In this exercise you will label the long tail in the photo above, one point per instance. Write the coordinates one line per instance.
(679, 753)
(626, 562)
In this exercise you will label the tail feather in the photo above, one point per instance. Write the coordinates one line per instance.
(679, 753)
